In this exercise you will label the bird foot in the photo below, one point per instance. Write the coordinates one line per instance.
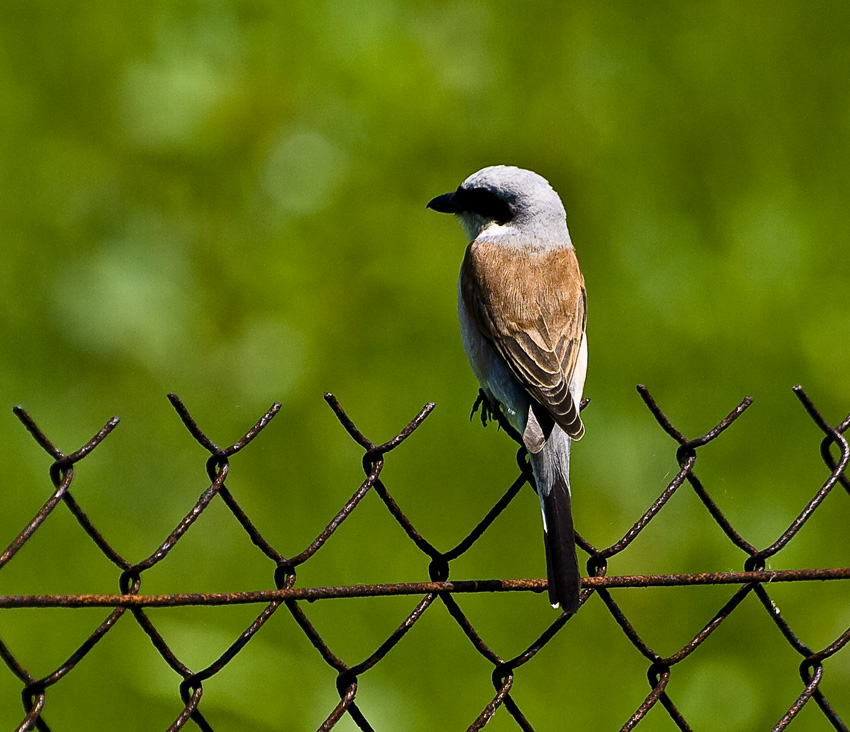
(489, 413)
(492, 412)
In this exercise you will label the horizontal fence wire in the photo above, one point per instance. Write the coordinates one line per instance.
(754, 578)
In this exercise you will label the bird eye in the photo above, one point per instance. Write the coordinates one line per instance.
(484, 203)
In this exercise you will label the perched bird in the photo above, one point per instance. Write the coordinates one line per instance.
(522, 309)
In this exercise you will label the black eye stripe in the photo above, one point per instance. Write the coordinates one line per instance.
(485, 203)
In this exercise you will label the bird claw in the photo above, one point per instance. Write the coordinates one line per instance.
(488, 412)
(492, 412)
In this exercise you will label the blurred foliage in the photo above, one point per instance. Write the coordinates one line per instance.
(226, 200)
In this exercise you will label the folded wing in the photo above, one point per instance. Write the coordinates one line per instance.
(530, 305)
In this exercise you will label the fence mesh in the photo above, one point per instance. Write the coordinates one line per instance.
(754, 578)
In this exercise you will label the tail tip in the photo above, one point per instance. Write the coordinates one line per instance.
(569, 604)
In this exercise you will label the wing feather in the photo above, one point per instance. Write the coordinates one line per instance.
(531, 306)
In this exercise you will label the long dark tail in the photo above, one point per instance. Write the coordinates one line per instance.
(551, 468)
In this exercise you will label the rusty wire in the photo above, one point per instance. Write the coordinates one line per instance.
(754, 579)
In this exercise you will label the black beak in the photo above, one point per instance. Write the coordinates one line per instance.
(444, 204)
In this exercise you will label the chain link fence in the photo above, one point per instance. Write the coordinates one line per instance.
(755, 578)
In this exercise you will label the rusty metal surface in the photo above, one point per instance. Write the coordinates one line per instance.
(130, 601)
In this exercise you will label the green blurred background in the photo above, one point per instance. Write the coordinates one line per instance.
(227, 201)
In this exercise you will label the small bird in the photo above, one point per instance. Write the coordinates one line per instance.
(522, 309)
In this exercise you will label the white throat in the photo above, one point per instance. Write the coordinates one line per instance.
(475, 225)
